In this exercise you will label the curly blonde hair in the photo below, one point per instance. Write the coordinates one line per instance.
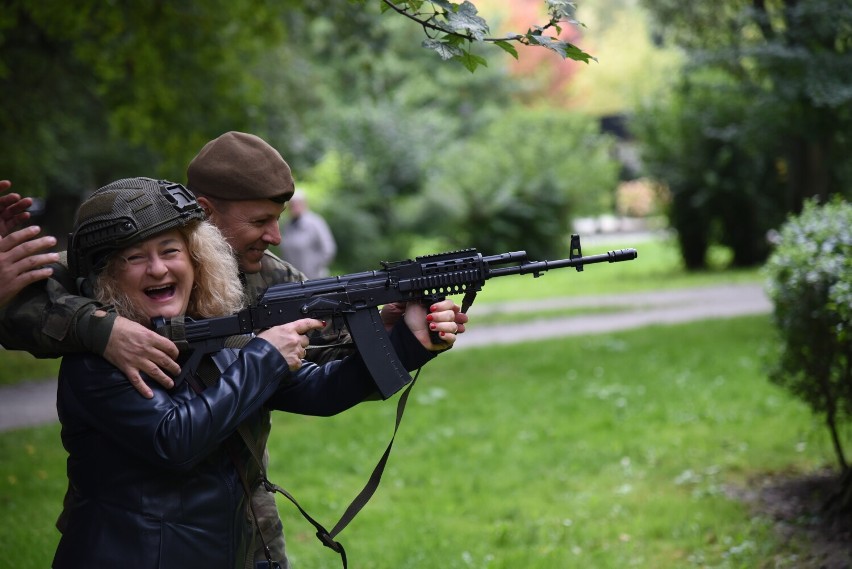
(216, 291)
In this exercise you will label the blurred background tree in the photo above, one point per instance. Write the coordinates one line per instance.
(90, 88)
(417, 156)
(722, 169)
(92, 92)
(757, 121)
(519, 180)
(740, 110)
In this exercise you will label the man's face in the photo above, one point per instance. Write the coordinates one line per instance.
(250, 226)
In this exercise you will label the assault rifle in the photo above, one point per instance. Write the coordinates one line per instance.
(355, 299)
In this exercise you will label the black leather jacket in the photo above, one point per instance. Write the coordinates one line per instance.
(151, 482)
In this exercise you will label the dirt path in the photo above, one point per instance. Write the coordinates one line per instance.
(624, 312)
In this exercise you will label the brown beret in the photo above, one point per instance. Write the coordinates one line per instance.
(240, 166)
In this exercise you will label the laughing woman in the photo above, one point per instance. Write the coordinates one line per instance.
(162, 483)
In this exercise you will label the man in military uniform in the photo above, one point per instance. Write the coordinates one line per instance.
(243, 184)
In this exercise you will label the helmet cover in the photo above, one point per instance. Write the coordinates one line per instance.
(123, 213)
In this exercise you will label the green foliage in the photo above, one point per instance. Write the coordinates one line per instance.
(779, 65)
(92, 92)
(375, 159)
(810, 283)
(18, 367)
(517, 181)
(717, 164)
(605, 451)
(379, 119)
(89, 89)
(454, 29)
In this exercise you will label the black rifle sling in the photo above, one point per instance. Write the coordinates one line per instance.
(327, 537)
(376, 477)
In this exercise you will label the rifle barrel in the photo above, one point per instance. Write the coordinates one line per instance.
(536, 267)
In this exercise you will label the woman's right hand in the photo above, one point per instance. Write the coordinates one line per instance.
(291, 339)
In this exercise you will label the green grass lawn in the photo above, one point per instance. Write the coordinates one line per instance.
(607, 451)
(16, 367)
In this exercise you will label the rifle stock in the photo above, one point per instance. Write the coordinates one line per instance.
(355, 299)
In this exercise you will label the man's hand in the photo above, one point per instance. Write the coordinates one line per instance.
(22, 260)
(391, 313)
(135, 349)
(13, 209)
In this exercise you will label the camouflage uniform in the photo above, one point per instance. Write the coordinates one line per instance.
(48, 321)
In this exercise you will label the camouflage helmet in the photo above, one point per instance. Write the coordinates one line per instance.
(122, 214)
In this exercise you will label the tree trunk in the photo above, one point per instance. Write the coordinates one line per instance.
(808, 172)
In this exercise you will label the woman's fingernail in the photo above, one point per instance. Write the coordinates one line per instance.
(429, 318)
(432, 326)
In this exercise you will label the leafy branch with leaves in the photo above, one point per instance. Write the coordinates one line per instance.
(453, 30)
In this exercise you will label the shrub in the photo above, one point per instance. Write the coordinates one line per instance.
(810, 284)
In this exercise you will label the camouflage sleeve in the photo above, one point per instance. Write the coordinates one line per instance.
(48, 321)
(327, 344)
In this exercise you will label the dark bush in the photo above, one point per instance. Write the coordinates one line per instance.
(725, 183)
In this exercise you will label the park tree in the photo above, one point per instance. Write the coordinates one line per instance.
(88, 89)
(723, 185)
(385, 121)
(784, 60)
(518, 181)
(409, 162)
(379, 113)
(89, 86)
